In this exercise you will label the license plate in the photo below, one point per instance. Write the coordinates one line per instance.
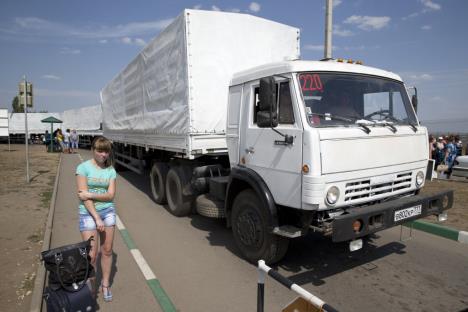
(407, 213)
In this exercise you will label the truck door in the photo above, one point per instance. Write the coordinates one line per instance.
(262, 149)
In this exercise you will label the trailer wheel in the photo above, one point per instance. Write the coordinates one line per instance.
(179, 204)
(252, 230)
(158, 176)
(210, 207)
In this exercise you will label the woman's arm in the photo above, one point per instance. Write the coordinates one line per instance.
(107, 196)
(88, 203)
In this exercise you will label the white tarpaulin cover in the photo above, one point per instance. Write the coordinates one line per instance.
(177, 86)
(83, 119)
(4, 122)
(35, 126)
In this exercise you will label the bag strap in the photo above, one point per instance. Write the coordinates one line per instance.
(58, 261)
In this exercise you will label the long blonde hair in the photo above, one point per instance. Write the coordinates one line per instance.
(102, 144)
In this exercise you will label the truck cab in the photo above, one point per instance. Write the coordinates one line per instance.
(323, 145)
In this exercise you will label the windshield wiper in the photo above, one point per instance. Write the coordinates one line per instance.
(413, 126)
(363, 124)
(360, 122)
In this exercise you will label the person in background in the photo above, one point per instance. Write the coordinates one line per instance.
(73, 141)
(439, 152)
(47, 140)
(459, 145)
(432, 147)
(59, 138)
(66, 141)
(96, 190)
(450, 154)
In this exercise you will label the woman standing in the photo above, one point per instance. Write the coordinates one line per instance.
(96, 189)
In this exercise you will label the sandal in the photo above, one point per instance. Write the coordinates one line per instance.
(106, 293)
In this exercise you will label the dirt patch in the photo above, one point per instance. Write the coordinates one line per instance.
(23, 212)
(458, 214)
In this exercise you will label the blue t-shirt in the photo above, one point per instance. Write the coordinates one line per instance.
(98, 182)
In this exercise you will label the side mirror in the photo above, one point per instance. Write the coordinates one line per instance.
(267, 115)
(414, 102)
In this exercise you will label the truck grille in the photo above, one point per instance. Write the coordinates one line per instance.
(364, 189)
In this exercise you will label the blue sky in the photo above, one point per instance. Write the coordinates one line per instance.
(71, 49)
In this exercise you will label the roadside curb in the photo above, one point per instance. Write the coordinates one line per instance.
(439, 230)
(39, 283)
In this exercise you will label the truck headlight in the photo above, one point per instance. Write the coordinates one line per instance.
(419, 178)
(333, 194)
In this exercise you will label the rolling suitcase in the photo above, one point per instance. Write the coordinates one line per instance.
(60, 300)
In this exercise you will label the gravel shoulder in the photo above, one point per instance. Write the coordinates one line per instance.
(23, 212)
(458, 214)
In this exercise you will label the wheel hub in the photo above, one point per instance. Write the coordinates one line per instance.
(249, 229)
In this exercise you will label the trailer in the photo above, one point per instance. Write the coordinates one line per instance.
(36, 128)
(232, 124)
(87, 121)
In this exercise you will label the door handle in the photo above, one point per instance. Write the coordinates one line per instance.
(250, 150)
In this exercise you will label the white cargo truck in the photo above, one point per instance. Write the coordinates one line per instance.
(231, 124)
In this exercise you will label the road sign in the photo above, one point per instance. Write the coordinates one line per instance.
(29, 93)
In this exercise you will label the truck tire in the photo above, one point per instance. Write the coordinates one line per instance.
(210, 207)
(158, 176)
(251, 230)
(179, 204)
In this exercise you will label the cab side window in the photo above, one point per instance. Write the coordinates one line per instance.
(285, 108)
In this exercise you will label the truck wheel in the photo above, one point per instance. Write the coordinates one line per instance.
(179, 204)
(210, 207)
(158, 182)
(251, 230)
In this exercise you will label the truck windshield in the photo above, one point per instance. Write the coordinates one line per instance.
(346, 99)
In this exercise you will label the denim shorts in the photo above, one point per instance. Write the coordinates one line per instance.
(87, 222)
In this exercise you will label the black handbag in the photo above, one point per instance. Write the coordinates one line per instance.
(69, 266)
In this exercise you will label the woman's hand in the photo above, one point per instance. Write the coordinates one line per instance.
(85, 195)
(99, 224)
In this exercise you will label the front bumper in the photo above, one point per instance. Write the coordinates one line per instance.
(379, 217)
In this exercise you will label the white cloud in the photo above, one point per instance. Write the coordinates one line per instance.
(133, 41)
(52, 77)
(426, 27)
(254, 7)
(215, 8)
(140, 42)
(337, 3)
(430, 5)
(103, 41)
(197, 7)
(312, 47)
(338, 31)
(33, 26)
(421, 77)
(69, 51)
(235, 10)
(126, 40)
(368, 22)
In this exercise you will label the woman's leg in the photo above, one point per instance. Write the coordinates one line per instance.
(107, 239)
(85, 235)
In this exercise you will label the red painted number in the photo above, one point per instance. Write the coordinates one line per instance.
(311, 83)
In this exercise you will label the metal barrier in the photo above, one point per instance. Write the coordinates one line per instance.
(263, 269)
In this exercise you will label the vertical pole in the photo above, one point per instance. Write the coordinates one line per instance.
(260, 288)
(26, 127)
(51, 147)
(328, 29)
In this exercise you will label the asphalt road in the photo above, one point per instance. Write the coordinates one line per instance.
(199, 267)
